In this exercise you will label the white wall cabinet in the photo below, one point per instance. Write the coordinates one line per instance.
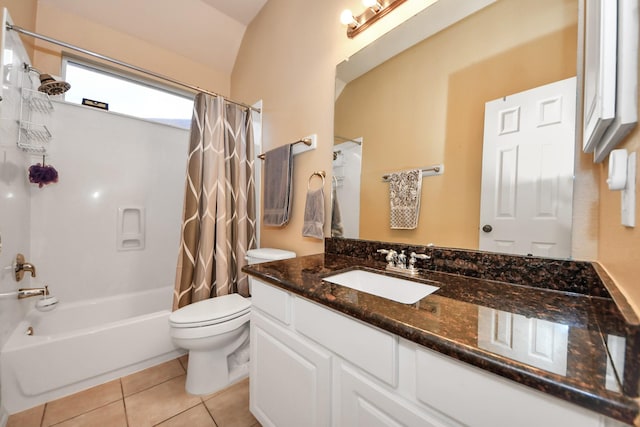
(312, 366)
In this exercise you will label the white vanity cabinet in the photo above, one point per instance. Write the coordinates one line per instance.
(363, 403)
(313, 366)
(290, 377)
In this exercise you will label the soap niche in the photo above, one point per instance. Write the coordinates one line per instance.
(131, 229)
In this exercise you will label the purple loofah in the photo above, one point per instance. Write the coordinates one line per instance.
(42, 174)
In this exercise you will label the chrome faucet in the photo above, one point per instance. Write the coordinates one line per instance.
(398, 261)
(32, 292)
(22, 266)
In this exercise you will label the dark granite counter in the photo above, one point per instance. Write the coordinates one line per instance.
(602, 342)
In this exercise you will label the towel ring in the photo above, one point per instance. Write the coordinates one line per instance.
(321, 174)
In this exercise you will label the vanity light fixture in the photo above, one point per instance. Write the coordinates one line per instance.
(375, 9)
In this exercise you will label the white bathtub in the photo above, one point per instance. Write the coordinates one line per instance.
(82, 344)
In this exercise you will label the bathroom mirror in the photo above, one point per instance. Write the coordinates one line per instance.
(425, 106)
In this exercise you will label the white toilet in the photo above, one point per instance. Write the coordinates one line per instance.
(216, 333)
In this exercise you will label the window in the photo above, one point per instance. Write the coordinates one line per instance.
(127, 95)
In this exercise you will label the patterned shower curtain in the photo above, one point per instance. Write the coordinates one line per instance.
(218, 224)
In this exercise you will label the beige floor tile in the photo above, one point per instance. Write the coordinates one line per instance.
(80, 403)
(152, 376)
(195, 417)
(29, 418)
(159, 403)
(230, 407)
(111, 415)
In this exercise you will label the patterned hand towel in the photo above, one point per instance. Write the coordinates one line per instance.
(278, 185)
(314, 214)
(404, 193)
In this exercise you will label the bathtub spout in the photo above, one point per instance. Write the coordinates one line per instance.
(32, 292)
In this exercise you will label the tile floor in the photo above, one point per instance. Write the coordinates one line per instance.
(153, 397)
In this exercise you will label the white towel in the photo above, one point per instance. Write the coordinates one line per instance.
(314, 214)
(404, 193)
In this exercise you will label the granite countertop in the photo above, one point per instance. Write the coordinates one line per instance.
(449, 321)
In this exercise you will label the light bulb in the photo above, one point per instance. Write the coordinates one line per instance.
(346, 17)
(373, 4)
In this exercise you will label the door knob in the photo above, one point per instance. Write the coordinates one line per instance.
(487, 228)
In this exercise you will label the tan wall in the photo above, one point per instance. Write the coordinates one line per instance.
(23, 13)
(426, 106)
(287, 59)
(619, 247)
(78, 31)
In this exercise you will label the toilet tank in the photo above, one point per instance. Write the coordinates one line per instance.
(256, 256)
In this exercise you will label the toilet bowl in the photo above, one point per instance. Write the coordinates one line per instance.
(216, 333)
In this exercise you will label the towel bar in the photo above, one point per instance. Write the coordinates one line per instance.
(436, 170)
(305, 141)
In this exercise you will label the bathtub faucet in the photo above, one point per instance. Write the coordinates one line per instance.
(32, 292)
(22, 266)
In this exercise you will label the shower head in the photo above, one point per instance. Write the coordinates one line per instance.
(51, 86)
(48, 84)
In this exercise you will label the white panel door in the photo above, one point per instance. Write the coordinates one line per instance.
(290, 378)
(536, 342)
(527, 172)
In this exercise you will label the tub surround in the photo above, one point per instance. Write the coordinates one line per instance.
(577, 296)
(65, 353)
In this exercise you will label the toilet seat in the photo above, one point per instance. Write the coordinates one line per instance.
(210, 312)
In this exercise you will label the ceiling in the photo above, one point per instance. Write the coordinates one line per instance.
(206, 31)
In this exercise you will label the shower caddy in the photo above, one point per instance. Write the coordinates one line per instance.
(33, 136)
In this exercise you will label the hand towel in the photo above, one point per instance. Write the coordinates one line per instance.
(337, 230)
(278, 185)
(314, 214)
(404, 193)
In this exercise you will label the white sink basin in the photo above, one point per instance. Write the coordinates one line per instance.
(393, 288)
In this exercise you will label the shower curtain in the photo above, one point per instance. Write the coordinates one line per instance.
(219, 207)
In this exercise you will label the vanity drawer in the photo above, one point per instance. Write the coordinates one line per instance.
(476, 397)
(270, 300)
(369, 348)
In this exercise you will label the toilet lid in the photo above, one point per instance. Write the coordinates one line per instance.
(210, 311)
(270, 254)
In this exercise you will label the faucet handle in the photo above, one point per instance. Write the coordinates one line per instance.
(387, 251)
(415, 256)
(391, 256)
(21, 266)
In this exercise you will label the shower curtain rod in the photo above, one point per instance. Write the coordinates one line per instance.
(121, 63)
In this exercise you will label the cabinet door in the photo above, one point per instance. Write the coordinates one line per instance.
(290, 377)
(366, 404)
